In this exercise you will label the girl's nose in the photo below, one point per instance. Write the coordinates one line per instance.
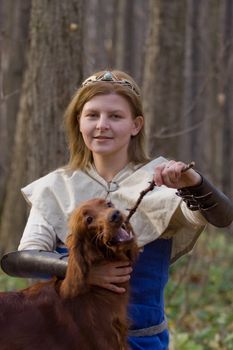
(102, 123)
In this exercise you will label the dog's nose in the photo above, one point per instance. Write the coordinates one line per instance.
(115, 216)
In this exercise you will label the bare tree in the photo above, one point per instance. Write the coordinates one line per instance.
(53, 72)
(14, 20)
(114, 35)
(188, 83)
(163, 83)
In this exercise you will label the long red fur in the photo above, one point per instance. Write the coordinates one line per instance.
(71, 314)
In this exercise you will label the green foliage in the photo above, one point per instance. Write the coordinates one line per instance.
(200, 296)
(12, 283)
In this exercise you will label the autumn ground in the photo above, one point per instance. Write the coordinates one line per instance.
(199, 296)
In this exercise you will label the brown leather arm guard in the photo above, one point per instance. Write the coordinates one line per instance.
(216, 208)
(34, 264)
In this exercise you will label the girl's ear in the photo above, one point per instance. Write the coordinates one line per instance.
(138, 124)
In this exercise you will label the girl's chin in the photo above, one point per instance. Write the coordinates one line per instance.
(106, 150)
(102, 148)
(101, 151)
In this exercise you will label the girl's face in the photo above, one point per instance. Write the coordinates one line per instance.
(107, 124)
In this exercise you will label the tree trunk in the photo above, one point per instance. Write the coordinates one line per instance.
(207, 125)
(115, 33)
(14, 19)
(54, 71)
(163, 83)
(227, 89)
(130, 34)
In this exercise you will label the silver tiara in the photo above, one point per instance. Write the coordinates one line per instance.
(111, 78)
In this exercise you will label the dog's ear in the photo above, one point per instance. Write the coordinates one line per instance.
(133, 252)
(76, 278)
(69, 241)
(75, 225)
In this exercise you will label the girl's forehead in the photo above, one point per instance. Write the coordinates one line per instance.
(113, 100)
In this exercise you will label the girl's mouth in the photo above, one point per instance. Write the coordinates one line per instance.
(102, 138)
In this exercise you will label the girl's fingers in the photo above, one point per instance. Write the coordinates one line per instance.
(158, 179)
(122, 271)
(109, 275)
(115, 269)
(169, 173)
(119, 279)
(117, 264)
(114, 288)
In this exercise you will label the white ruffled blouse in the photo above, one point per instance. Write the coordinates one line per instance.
(160, 214)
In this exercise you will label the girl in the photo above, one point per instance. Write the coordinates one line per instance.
(105, 128)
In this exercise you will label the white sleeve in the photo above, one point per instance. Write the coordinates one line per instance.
(194, 217)
(38, 234)
(187, 220)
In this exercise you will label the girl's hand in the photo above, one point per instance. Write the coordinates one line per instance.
(108, 275)
(170, 174)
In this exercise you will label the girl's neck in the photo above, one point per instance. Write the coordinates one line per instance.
(107, 168)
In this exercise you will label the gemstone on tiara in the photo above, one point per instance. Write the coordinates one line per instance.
(111, 78)
(107, 76)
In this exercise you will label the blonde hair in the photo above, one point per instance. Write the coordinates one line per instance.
(80, 155)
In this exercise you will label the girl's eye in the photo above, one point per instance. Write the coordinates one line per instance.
(116, 116)
(92, 115)
(89, 220)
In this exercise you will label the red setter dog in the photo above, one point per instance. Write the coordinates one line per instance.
(71, 314)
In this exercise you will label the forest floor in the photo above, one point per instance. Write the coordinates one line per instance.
(199, 296)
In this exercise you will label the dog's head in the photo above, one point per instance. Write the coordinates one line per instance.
(103, 229)
(97, 232)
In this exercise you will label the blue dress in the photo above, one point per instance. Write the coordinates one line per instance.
(146, 309)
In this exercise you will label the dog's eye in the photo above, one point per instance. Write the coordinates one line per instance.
(109, 204)
(89, 220)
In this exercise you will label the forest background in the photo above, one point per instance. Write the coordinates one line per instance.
(181, 54)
